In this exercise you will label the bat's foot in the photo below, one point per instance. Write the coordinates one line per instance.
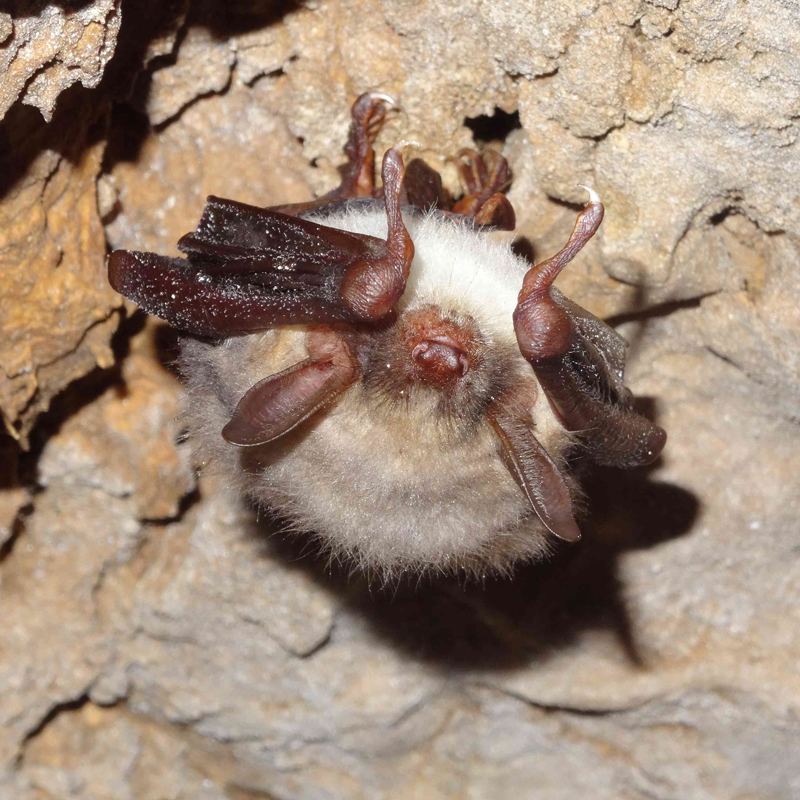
(368, 115)
(358, 174)
(481, 173)
(485, 176)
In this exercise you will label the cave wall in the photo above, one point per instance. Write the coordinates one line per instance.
(159, 642)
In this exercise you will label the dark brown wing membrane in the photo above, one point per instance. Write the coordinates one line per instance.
(247, 269)
(251, 268)
(192, 300)
(283, 240)
(598, 352)
(587, 389)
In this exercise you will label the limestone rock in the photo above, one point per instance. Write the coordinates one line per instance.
(56, 318)
(46, 48)
(161, 639)
(203, 66)
(14, 495)
(234, 145)
(125, 442)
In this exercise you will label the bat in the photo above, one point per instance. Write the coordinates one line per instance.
(380, 373)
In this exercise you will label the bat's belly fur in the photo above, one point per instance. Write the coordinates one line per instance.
(394, 485)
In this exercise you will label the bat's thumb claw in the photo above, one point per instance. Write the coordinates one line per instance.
(388, 99)
(403, 144)
(594, 198)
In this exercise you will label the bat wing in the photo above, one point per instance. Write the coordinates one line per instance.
(535, 472)
(586, 386)
(597, 353)
(246, 269)
(250, 268)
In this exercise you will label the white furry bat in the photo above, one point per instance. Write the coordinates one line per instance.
(377, 371)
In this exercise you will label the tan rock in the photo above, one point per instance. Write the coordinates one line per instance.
(48, 583)
(262, 51)
(56, 318)
(230, 146)
(203, 66)
(126, 441)
(47, 48)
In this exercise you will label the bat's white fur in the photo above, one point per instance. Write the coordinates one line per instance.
(392, 486)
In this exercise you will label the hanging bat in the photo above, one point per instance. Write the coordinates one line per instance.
(375, 369)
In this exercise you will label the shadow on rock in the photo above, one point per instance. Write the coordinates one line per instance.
(507, 622)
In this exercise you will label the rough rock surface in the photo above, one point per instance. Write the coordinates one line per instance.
(159, 642)
(56, 318)
(45, 48)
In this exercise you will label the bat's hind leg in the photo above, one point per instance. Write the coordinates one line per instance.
(358, 174)
(368, 116)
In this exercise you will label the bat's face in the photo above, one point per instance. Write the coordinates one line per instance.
(404, 470)
(449, 344)
(391, 379)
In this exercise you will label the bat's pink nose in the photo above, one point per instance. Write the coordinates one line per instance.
(442, 348)
(439, 359)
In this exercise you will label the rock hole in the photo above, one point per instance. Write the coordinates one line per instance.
(720, 216)
(494, 128)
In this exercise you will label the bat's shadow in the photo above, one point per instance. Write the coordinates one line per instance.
(507, 622)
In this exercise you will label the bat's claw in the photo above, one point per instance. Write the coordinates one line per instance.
(369, 114)
(390, 101)
(594, 198)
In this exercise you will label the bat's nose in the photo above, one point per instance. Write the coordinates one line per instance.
(438, 360)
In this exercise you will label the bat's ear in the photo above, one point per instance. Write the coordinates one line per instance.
(373, 285)
(279, 403)
(579, 360)
(536, 474)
